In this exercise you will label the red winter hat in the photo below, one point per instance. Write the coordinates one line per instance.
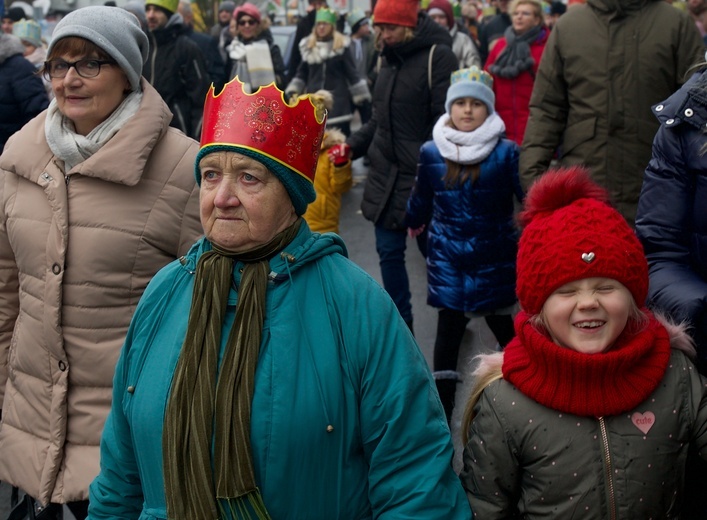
(446, 8)
(570, 232)
(396, 12)
(249, 10)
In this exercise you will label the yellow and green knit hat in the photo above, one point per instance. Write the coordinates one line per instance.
(168, 5)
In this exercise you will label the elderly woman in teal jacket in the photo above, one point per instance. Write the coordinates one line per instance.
(294, 390)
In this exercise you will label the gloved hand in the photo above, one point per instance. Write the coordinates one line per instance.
(339, 154)
(412, 233)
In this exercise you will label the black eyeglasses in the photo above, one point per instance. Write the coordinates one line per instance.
(86, 68)
(247, 22)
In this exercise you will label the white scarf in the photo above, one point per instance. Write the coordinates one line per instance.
(468, 147)
(74, 148)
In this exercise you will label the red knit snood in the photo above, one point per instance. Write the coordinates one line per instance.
(594, 385)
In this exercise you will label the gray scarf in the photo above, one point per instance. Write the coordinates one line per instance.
(515, 58)
(73, 148)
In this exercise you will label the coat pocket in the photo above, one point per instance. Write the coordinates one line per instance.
(578, 133)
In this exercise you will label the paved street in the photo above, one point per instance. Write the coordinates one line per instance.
(357, 232)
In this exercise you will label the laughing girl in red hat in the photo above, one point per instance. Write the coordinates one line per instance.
(590, 410)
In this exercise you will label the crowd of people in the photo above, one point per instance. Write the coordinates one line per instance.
(182, 334)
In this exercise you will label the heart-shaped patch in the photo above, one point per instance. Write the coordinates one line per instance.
(588, 257)
(643, 421)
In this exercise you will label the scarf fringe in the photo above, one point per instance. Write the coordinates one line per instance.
(246, 507)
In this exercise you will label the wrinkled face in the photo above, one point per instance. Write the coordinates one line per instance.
(468, 114)
(588, 315)
(524, 18)
(441, 19)
(391, 34)
(323, 30)
(242, 204)
(87, 102)
(156, 17)
(247, 27)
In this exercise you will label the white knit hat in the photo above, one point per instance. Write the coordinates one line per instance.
(114, 30)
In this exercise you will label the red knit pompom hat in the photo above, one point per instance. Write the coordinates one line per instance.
(396, 12)
(570, 232)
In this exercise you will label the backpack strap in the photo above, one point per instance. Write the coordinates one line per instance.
(429, 66)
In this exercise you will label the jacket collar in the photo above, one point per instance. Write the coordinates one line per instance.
(687, 105)
(122, 160)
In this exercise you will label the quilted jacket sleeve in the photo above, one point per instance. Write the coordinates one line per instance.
(491, 470)
(9, 284)
(549, 106)
(420, 203)
(666, 225)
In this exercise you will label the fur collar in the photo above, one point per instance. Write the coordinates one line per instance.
(9, 46)
(321, 51)
(331, 137)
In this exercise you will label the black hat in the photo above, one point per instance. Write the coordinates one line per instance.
(557, 8)
(15, 14)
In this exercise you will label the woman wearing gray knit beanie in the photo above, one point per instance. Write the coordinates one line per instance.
(98, 194)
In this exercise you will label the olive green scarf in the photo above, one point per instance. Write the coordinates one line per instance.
(205, 406)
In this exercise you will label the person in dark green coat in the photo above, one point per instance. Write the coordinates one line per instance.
(590, 410)
(264, 375)
(605, 64)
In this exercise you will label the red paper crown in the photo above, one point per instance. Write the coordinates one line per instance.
(264, 123)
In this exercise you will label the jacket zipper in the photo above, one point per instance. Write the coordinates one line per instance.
(152, 60)
(609, 477)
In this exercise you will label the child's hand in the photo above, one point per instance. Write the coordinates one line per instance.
(412, 233)
(339, 154)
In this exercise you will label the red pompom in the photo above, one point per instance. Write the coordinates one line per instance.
(559, 188)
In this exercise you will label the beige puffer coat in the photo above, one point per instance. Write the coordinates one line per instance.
(76, 253)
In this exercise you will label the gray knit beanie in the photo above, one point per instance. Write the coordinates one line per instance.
(116, 31)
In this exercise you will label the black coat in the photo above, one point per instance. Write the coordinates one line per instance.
(672, 210)
(405, 110)
(177, 69)
(22, 94)
(208, 45)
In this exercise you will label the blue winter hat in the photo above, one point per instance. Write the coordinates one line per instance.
(472, 82)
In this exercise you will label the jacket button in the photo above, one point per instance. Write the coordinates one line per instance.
(688, 112)
(131, 389)
(670, 121)
(62, 366)
(56, 269)
(659, 108)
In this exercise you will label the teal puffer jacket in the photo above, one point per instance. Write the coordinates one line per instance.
(334, 352)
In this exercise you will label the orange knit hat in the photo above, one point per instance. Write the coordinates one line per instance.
(396, 12)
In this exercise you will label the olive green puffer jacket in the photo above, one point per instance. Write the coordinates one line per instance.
(524, 460)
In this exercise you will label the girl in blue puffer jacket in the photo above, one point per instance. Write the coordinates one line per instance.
(466, 181)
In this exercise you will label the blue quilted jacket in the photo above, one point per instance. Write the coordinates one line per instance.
(672, 210)
(472, 238)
